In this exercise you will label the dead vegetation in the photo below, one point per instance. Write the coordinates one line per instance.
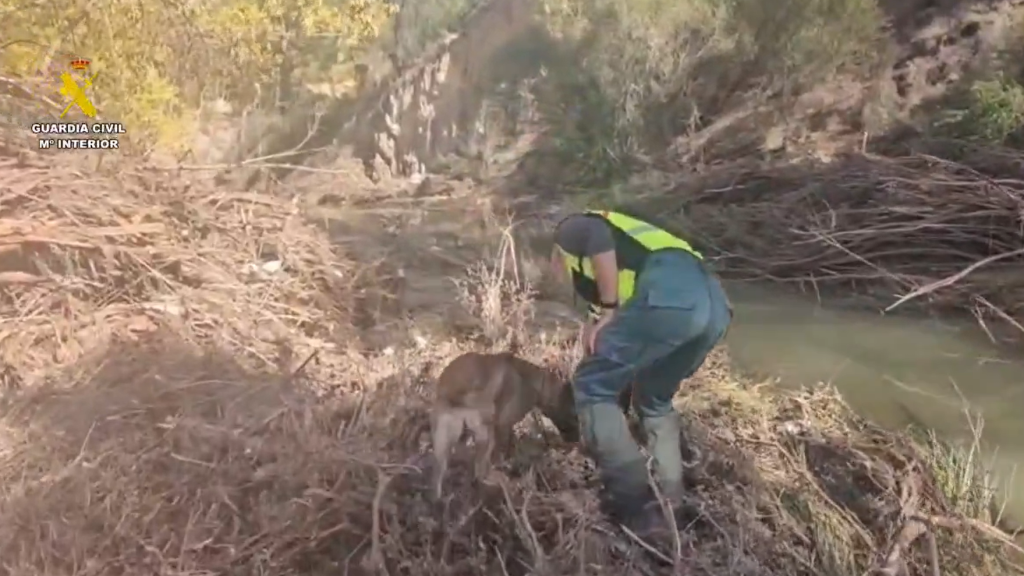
(941, 225)
(84, 257)
(160, 430)
(173, 462)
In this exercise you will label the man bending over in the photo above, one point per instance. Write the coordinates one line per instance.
(656, 314)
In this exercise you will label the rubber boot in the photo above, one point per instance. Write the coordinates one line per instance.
(664, 445)
(621, 465)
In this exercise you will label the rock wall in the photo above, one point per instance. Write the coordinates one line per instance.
(434, 107)
(403, 120)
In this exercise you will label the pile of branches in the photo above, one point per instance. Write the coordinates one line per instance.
(86, 256)
(917, 226)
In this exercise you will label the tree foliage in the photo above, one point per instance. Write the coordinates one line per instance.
(650, 70)
(418, 23)
(158, 61)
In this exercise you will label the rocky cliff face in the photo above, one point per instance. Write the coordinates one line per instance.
(436, 106)
(403, 119)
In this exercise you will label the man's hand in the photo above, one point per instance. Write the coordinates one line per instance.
(591, 330)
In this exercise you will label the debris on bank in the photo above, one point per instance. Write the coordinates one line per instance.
(937, 225)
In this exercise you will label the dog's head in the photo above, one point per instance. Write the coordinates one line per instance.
(555, 399)
(561, 409)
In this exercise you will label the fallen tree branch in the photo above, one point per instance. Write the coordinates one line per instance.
(977, 525)
(894, 562)
(950, 280)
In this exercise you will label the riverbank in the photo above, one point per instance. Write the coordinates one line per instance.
(185, 393)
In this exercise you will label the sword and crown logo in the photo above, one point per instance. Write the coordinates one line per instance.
(73, 92)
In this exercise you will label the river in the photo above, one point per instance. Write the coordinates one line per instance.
(886, 366)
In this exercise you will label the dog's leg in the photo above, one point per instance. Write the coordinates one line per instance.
(483, 434)
(503, 440)
(447, 427)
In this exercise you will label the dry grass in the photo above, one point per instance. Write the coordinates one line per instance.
(85, 257)
(182, 449)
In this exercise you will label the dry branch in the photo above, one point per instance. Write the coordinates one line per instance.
(917, 227)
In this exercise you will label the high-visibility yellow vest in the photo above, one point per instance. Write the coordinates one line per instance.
(634, 241)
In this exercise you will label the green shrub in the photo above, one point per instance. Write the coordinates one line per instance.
(989, 111)
(660, 68)
(996, 109)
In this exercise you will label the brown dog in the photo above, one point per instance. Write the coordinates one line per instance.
(490, 394)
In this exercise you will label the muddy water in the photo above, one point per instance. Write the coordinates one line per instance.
(886, 366)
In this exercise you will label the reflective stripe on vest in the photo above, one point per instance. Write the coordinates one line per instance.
(648, 235)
